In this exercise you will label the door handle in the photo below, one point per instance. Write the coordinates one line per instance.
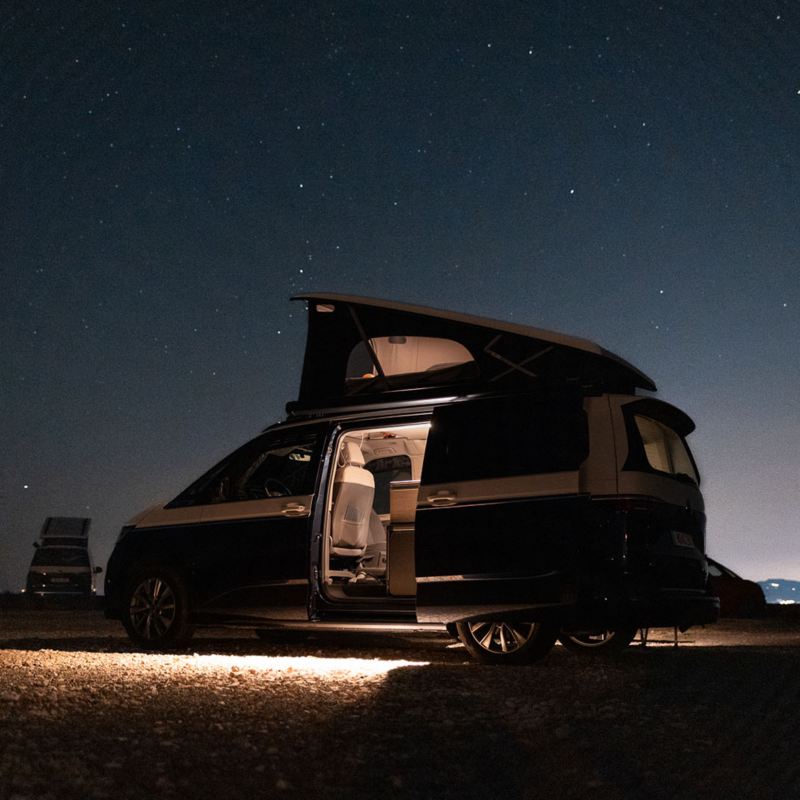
(442, 499)
(293, 510)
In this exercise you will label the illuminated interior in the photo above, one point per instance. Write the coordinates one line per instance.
(404, 355)
(375, 468)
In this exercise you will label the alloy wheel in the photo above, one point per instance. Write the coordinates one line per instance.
(152, 608)
(596, 639)
(501, 637)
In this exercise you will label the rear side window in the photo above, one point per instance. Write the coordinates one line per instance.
(664, 450)
(503, 437)
(273, 465)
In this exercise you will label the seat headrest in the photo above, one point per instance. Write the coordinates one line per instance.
(351, 455)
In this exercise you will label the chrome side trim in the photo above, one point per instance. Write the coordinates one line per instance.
(160, 517)
(507, 488)
(260, 509)
(268, 508)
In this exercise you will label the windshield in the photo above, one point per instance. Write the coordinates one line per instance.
(664, 449)
(60, 557)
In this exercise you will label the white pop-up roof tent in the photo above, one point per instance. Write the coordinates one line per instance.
(67, 531)
(365, 350)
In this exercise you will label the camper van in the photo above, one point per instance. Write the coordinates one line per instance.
(62, 563)
(438, 471)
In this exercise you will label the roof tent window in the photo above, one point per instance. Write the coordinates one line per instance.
(405, 355)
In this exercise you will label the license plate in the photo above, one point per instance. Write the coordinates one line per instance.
(682, 539)
(59, 580)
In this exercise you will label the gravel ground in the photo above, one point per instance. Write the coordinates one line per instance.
(82, 715)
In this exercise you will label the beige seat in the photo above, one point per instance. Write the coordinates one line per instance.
(374, 561)
(353, 494)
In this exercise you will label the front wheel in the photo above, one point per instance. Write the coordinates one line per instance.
(499, 642)
(608, 642)
(156, 610)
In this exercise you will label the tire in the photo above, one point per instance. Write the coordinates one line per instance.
(499, 642)
(608, 642)
(155, 609)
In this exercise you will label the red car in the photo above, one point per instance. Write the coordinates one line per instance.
(738, 597)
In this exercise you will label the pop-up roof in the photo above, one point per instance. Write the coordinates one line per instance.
(364, 349)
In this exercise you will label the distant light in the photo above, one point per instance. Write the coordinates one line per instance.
(786, 602)
(24, 485)
(776, 585)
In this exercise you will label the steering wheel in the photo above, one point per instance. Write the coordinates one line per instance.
(274, 488)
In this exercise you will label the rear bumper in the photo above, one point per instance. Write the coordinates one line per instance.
(665, 608)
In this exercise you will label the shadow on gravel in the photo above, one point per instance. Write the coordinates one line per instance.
(659, 723)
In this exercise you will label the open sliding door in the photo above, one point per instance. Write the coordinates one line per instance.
(499, 513)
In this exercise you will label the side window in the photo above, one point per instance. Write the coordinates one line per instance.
(664, 450)
(386, 470)
(503, 437)
(273, 465)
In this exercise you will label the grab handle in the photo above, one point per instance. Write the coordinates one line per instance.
(442, 499)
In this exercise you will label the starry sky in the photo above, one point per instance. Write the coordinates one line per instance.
(171, 173)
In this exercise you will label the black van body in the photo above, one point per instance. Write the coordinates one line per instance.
(436, 470)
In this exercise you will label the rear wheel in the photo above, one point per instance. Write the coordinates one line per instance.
(608, 642)
(155, 612)
(500, 642)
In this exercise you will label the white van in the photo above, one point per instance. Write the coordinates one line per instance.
(62, 563)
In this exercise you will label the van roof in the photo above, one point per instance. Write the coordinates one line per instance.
(503, 354)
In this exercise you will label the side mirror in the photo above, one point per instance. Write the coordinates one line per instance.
(98, 570)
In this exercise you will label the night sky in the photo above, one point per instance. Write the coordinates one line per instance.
(171, 173)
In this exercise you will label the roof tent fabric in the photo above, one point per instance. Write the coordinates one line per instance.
(506, 356)
(75, 527)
